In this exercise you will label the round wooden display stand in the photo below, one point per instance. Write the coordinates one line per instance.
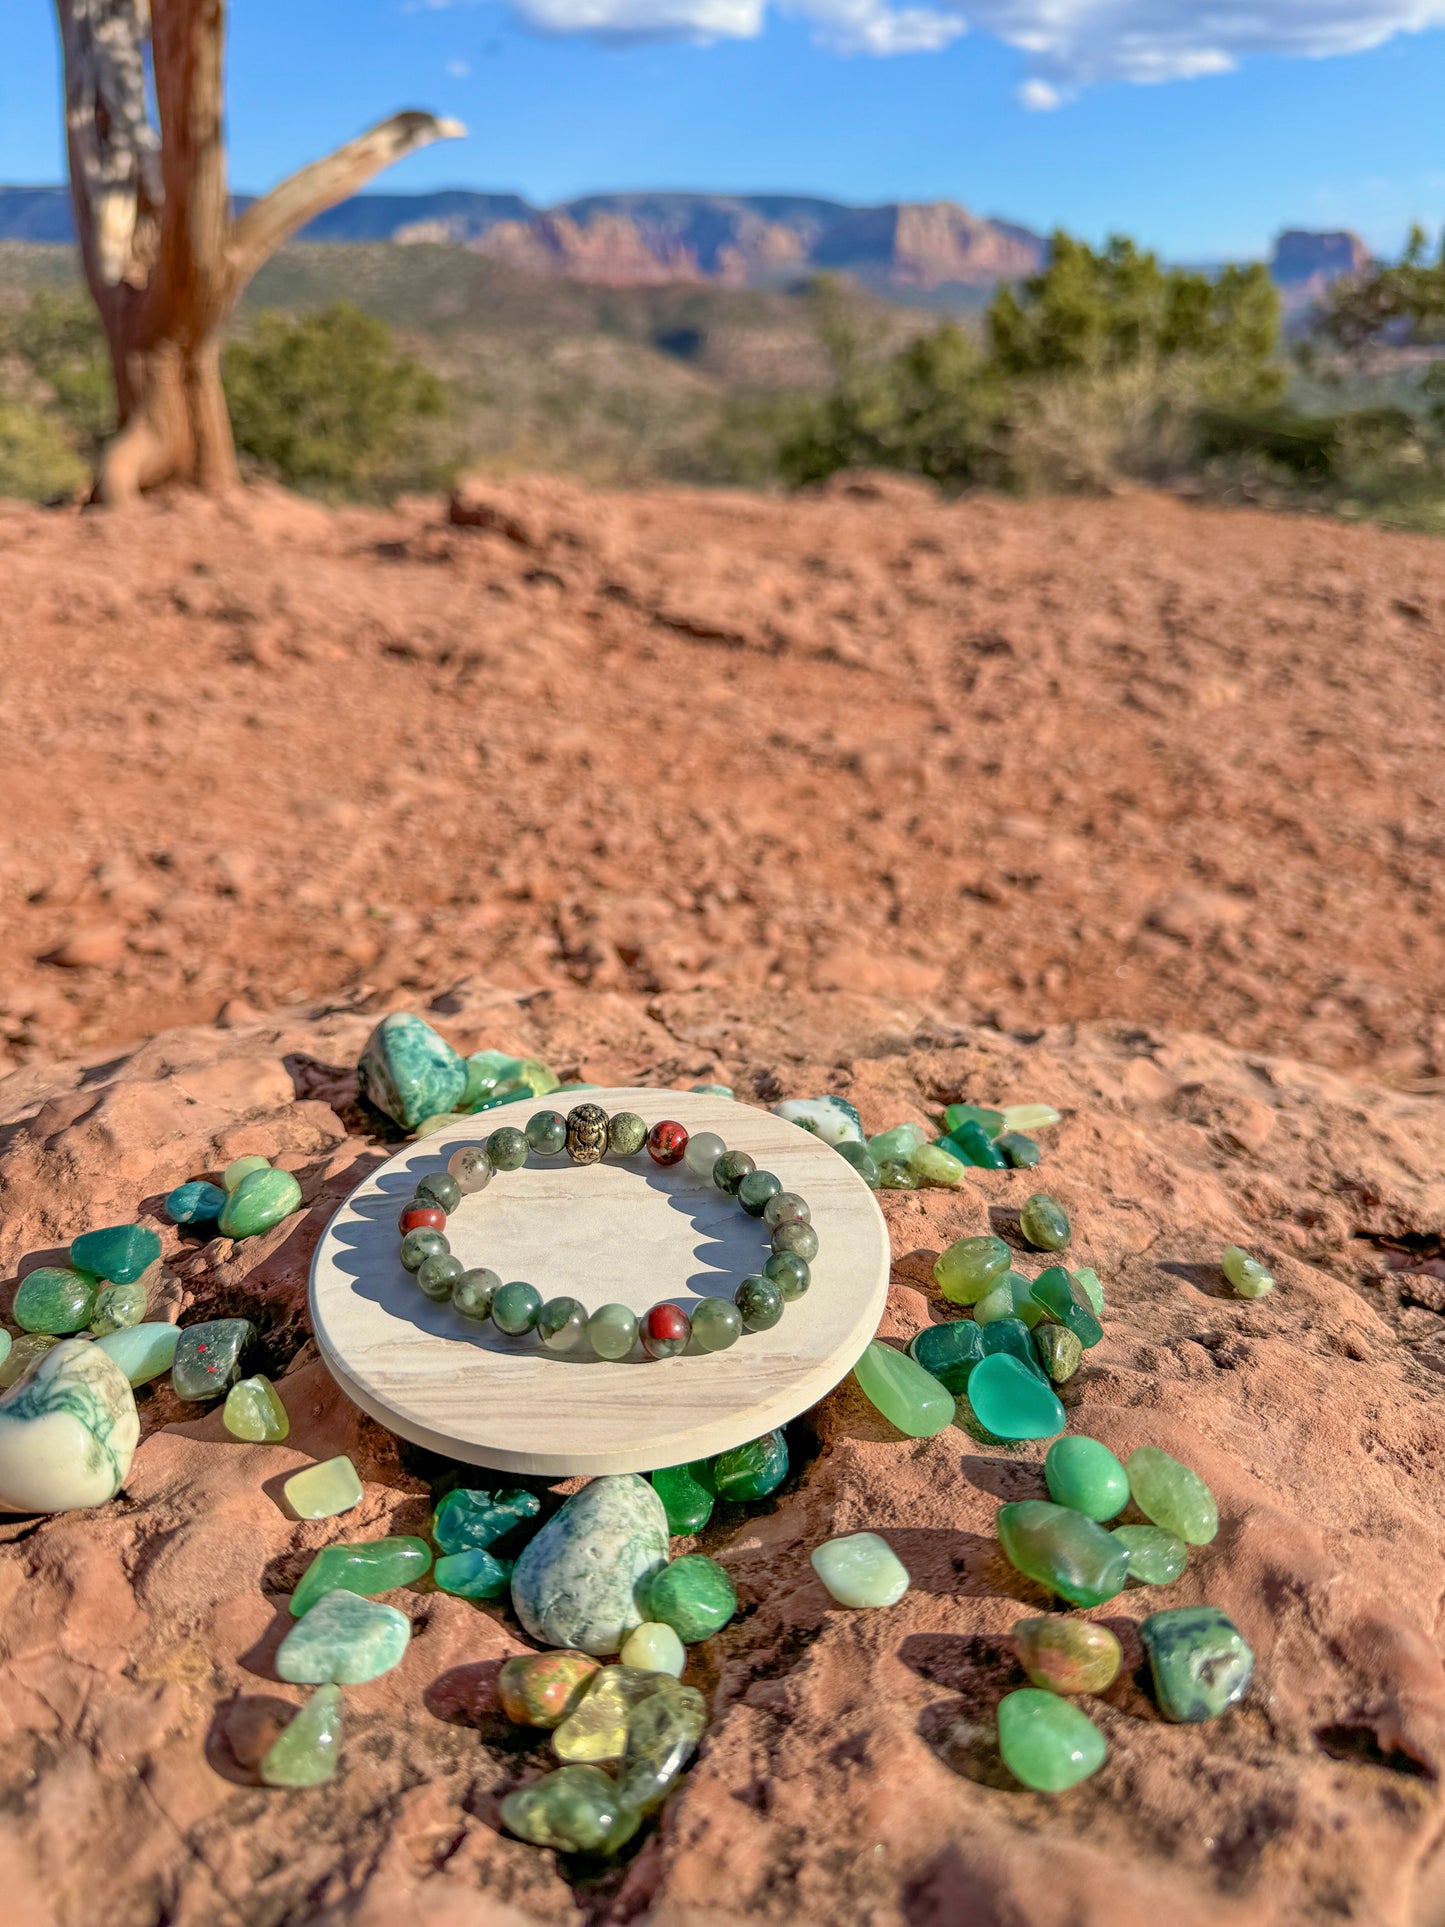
(626, 1232)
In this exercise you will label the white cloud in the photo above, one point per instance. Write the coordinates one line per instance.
(458, 69)
(1040, 97)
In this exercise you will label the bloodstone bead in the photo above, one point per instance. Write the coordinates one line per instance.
(760, 1301)
(471, 1167)
(208, 1356)
(437, 1275)
(586, 1133)
(626, 1135)
(730, 1170)
(717, 1324)
(751, 1471)
(755, 1190)
(612, 1331)
(666, 1142)
(473, 1292)
(799, 1238)
(665, 1331)
(515, 1308)
(1044, 1222)
(442, 1189)
(422, 1217)
(786, 1207)
(507, 1148)
(896, 1174)
(418, 1246)
(561, 1323)
(547, 1134)
(790, 1273)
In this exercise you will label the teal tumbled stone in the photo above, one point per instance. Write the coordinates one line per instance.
(262, 1199)
(1011, 1336)
(1200, 1661)
(365, 1567)
(208, 1356)
(1012, 1400)
(687, 1494)
(1062, 1550)
(118, 1253)
(473, 1575)
(1047, 1742)
(1085, 1476)
(142, 1352)
(195, 1202)
(751, 1471)
(906, 1395)
(983, 1119)
(1156, 1557)
(1067, 1304)
(972, 1145)
(949, 1352)
(409, 1071)
(693, 1595)
(343, 1640)
(54, 1300)
(465, 1520)
(1022, 1152)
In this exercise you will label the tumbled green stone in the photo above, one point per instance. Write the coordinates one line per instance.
(791, 1274)
(258, 1202)
(409, 1071)
(1062, 1550)
(612, 1331)
(713, 1090)
(118, 1306)
(1067, 1304)
(753, 1470)
(29, 1347)
(1030, 1117)
(208, 1356)
(364, 1567)
(1046, 1742)
(755, 1189)
(507, 1148)
(1044, 1222)
(1010, 1335)
(439, 1275)
(541, 1080)
(972, 1146)
(899, 1142)
(596, 1728)
(948, 1352)
(577, 1809)
(321, 1491)
(419, 1245)
(1013, 1401)
(561, 1324)
(906, 1395)
(1012, 1297)
(979, 1115)
(1084, 1475)
(662, 1734)
(473, 1575)
(305, 1752)
(862, 1161)
(195, 1202)
(1022, 1153)
(142, 1352)
(466, 1520)
(655, 1648)
(1068, 1655)
(1088, 1279)
(686, 1492)
(54, 1301)
(1248, 1276)
(118, 1253)
(970, 1268)
(343, 1640)
(473, 1292)
(1060, 1353)
(759, 1301)
(716, 1324)
(1200, 1660)
(1172, 1496)
(5, 1344)
(693, 1595)
(541, 1689)
(514, 1307)
(253, 1410)
(1156, 1557)
(486, 1070)
(861, 1570)
(240, 1168)
(932, 1164)
(626, 1134)
(896, 1174)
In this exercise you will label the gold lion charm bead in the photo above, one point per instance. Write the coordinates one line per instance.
(586, 1133)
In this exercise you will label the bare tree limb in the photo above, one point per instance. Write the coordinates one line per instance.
(114, 150)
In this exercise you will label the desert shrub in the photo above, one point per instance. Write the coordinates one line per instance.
(1404, 299)
(1086, 431)
(56, 338)
(38, 460)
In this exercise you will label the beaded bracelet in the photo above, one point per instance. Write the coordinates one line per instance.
(587, 1134)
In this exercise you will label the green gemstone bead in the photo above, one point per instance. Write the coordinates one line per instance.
(546, 1133)
(898, 1143)
(472, 1169)
(933, 1164)
(1088, 1280)
(626, 1134)
(118, 1254)
(1046, 1742)
(862, 1161)
(693, 1595)
(662, 1735)
(1022, 1152)
(687, 1494)
(26, 1349)
(791, 1274)
(1067, 1304)
(142, 1352)
(1044, 1222)
(562, 1324)
(441, 1189)
(1248, 1276)
(716, 1324)
(785, 1208)
(1060, 1353)
(759, 1301)
(1013, 1401)
(971, 1146)
(948, 1352)
(305, 1752)
(577, 1809)
(751, 1471)
(1085, 1476)
(978, 1115)
(1062, 1550)
(322, 1491)
(1156, 1557)
(507, 1148)
(438, 1275)
(343, 1640)
(612, 1331)
(730, 1170)
(903, 1392)
(755, 1189)
(799, 1238)
(419, 1245)
(473, 1575)
(861, 1570)
(195, 1202)
(117, 1307)
(1172, 1496)
(896, 1174)
(259, 1202)
(208, 1356)
(364, 1567)
(1200, 1660)
(1068, 1655)
(253, 1411)
(515, 1308)
(969, 1269)
(467, 1521)
(1010, 1335)
(473, 1292)
(54, 1301)
(240, 1168)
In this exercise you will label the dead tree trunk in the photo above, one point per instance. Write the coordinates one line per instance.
(163, 257)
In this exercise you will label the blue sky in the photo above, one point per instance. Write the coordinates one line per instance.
(1030, 109)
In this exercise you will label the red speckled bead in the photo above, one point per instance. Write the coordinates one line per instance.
(665, 1331)
(666, 1143)
(422, 1217)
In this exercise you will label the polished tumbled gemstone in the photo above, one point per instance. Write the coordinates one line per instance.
(54, 1301)
(1046, 1742)
(906, 1395)
(1068, 1655)
(577, 1809)
(586, 1133)
(791, 1274)
(626, 1134)
(409, 1071)
(664, 1331)
(465, 1519)
(472, 1168)
(1156, 1557)
(898, 1143)
(716, 1324)
(948, 1352)
(208, 1356)
(1013, 1401)
(1030, 1117)
(662, 1733)
(142, 1352)
(364, 1567)
(305, 1752)
(1010, 1335)
(321, 1491)
(612, 1331)
(704, 1148)
(1172, 1496)
(541, 1081)
(969, 1269)
(473, 1575)
(655, 1648)
(730, 1170)
(979, 1115)
(1085, 1476)
(896, 1174)
(541, 1689)
(253, 1410)
(118, 1253)
(240, 1168)
(751, 1471)
(862, 1161)
(439, 1276)
(1248, 1276)
(973, 1146)
(1044, 1222)
(344, 1639)
(419, 1245)
(861, 1570)
(799, 1238)
(686, 1492)
(693, 1595)
(759, 1301)
(596, 1728)
(515, 1307)
(784, 1208)
(831, 1118)
(561, 1324)
(1062, 1550)
(713, 1090)
(1067, 1304)
(195, 1202)
(755, 1189)
(1022, 1153)
(1200, 1661)
(1060, 1353)
(473, 1292)
(486, 1071)
(258, 1202)
(507, 1148)
(5, 1343)
(935, 1164)
(22, 1355)
(1012, 1297)
(1088, 1279)
(118, 1306)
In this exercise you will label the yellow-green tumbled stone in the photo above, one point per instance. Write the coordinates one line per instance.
(1247, 1275)
(240, 1168)
(253, 1411)
(1170, 1495)
(654, 1648)
(969, 1269)
(305, 1752)
(861, 1570)
(262, 1199)
(17, 1361)
(1044, 1222)
(323, 1490)
(577, 1809)
(117, 1307)
(906, 1395)
(930, 1164)
(596, 1729)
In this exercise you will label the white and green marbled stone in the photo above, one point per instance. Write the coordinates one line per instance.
(577, 1581)
(833, 1119)
(68, 1431)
